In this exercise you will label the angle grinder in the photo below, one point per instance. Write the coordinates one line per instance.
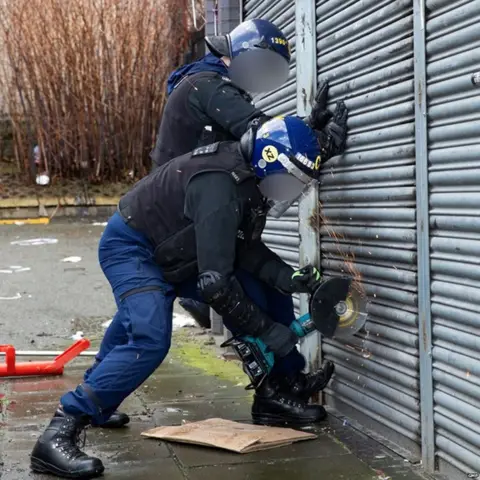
(337, 308)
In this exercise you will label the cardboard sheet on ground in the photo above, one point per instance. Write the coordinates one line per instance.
(228, 435)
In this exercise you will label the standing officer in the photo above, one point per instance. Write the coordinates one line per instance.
(210, 100)
(193, 228)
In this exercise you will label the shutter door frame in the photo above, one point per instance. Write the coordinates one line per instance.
(309, 248)
(365, 48)
(423, 237)
(453, 101)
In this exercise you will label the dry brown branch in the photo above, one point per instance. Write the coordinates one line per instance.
(85, 80)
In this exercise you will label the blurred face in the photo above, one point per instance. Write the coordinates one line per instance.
(259, 70)
(282, 190)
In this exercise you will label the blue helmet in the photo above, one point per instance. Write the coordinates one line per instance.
(259, 55)
(286, 158)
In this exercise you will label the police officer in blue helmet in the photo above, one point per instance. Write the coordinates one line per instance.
(209, 101)
(193, 228)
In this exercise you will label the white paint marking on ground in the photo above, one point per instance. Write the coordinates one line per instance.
(173, 410)
(6, 271)
(20, 269)
(179, 321)
(72, 259)
(99, 224)
(35, 242)
(16, 297)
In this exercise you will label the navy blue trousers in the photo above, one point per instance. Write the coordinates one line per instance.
(138, 339)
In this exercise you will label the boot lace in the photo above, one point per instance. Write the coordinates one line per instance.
(71, 438)
(290, 402)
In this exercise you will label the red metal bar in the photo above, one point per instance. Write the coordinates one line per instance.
(55, 367)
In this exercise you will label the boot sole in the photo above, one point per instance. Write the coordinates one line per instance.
(281, 421)
(40, 466)
(114, 426)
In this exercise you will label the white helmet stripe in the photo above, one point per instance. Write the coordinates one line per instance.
(293, 169)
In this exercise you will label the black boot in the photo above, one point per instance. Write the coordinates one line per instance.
(304, 386)
(271, 407)
(57, 452)
(117, 420)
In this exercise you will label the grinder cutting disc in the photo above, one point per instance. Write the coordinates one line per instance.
(338, 308)
(352, 313)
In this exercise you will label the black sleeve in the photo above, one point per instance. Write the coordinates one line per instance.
(223, 103)
(266, 265)
(212, 203)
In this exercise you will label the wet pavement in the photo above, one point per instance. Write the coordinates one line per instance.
(46, 303)
(176, 393)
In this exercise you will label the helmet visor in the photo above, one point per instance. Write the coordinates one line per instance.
(259, 70)
(282, 190)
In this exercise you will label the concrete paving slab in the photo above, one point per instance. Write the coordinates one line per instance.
(161, 469)
(198, 386)
(342, 467)
(59, 384)
(323, 447)
(131, 433)
(175, 413)
(145, 449)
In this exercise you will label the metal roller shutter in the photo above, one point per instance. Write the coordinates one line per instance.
(365, 50)
(280, 235)
(453, 95)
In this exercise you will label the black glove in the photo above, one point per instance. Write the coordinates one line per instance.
(306, 279)
(279, 339)
(337, 128)
(330, 128)
(320, 116)
(333, 137)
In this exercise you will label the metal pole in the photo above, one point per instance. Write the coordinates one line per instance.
(423, 238)
(47, 353)
(305, 28)
(215, 17)
(240, 15)
(194, 14)
(216, 322)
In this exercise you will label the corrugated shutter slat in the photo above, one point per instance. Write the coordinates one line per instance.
(453, 54)
(365, 50)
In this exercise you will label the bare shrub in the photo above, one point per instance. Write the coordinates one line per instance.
(85, 80)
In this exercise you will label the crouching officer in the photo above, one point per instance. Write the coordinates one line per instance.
(193, 228)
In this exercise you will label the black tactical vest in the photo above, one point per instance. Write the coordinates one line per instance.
(179, 131)
(155, 206)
